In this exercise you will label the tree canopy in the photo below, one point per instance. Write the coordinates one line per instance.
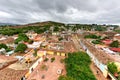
(92, 36)
(21, 37)
(77, 66)
(112, 67)
(65, 78)
(21, 48)
(114, 44)
(3, 46)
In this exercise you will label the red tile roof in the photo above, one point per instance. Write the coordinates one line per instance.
(115, 49)
(107, 41)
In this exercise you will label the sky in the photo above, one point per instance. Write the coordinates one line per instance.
(67, 11)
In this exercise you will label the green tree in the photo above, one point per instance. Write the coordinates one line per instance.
(60, 38)
(21, 48)
(35, 53)
(21, 37)
(112, 67)
(30, 41)
(114, 44)
(96, 41)
(3, 46)
(52, 59)
(62, 77)
(56, 29)
(92, 36)
(77, 66)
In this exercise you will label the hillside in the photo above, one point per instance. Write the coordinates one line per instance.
(46, 23)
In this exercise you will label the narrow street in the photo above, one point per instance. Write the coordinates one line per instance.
(77, 44)
(94, 69)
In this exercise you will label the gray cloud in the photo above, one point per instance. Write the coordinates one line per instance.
(76, 11)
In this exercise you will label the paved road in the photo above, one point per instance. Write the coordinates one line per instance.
(76, 42)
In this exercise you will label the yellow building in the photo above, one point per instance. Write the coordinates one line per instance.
(50, 52)
(41, 53)
(62, 54)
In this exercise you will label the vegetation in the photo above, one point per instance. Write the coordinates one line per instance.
(8, 49)
(46, 59)
(88, 27)
(100, 28)
(62, 60)
(56, 29)
(53, 59)
(118, 31)
(21, 37)
(65, 78)
(77, 66)
(92, 36)
(30, 41)
(21, 48)
(12, 31)
(5, 47)
(44, 67)
(35, 53)
(114, 44)
(96, 41)
(60, 38)
(112, 67)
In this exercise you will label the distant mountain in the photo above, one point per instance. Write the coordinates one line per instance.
(46, 23)
(3, 24)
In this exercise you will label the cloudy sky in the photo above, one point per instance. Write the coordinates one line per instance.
(68, 11)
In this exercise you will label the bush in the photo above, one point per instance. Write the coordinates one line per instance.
(35, 53)
(44, 67)
(53, 59)
(46, 59)
(62, 60)
(30, 41)
(60, 39)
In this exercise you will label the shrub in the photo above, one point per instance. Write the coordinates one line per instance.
(60, 39)
(62, 60)
(53, 59)
(35, 53)
(30, 41)
(46, 59)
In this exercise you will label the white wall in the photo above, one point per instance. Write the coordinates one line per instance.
(35, 64)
